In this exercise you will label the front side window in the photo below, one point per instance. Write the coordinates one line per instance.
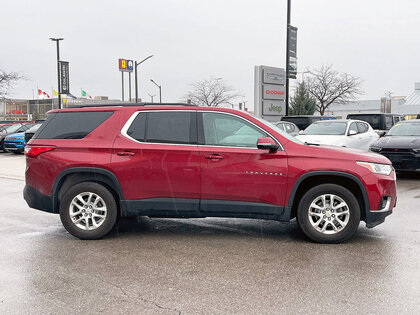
(163, 127)
(231, 131)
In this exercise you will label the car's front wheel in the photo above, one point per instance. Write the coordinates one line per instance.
(88, 210)
(328, 213)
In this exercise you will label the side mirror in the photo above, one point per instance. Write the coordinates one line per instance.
(300, 132)
(267, 143)
(381, 133)
(352, 133)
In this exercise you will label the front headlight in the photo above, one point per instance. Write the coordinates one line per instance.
(383, 169)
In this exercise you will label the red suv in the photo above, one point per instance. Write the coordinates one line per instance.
(95, 164)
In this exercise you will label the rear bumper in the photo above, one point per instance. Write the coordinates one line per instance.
(38, 201)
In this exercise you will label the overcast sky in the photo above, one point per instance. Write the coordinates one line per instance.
(191, 40)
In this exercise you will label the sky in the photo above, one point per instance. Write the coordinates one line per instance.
(376, 40)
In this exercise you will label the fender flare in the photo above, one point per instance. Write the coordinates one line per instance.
(307, 175)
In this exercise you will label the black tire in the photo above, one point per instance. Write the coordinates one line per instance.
(110, 217)
(344, 233)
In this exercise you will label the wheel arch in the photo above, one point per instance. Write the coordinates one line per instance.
(75, 175)
(310, 179)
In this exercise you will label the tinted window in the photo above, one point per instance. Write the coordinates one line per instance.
(362, 127)
(71, 125)
(228, 130)
(169, 127)
(388, 122)
(137, 129)
(373, 120)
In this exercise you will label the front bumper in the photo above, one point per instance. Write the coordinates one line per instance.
(379, 187)
(38, 201)
(404, 160)
(13, 146)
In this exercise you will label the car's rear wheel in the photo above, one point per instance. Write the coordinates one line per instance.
(329, 213)
(88, 210)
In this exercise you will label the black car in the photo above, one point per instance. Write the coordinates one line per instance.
(31, 131)
(401, 145)
(381, 123)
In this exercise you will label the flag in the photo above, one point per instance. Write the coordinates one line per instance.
(55, 93)
(42, 94)
(85, 95)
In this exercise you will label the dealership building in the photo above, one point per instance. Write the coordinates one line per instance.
(408, 106)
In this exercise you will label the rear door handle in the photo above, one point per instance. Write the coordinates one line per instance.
(126, 153)
(214, 157)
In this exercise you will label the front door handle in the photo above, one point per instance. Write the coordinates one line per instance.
(214, 157)
(126, 153)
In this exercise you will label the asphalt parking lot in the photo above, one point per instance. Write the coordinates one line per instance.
(204, 266)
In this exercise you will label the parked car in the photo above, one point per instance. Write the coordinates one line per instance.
(401, 145)
(381, 123)
(4, 125)
(289, 127)
(354, 134)
(31, 131)
(107, 162)
(15, 142)
(9, 130)
(303, 121)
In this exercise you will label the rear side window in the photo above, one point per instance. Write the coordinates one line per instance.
(362, 127)
(75, 125)
(164, 127)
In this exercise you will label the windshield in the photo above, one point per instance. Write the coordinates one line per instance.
(405, 129)
(13, 128)
(373, 120)
(326, 128)
(280, 131)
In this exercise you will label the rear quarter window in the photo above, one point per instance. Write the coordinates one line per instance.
(74, 125)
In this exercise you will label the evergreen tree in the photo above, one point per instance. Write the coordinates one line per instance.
(302, 103)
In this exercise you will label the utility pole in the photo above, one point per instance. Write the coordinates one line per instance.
(287, 56)
(160, 90)
(136, 64)
(57, 40)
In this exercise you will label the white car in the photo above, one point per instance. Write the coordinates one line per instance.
(347, 133)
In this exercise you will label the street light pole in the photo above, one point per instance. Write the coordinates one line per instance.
(57, 40)
(136, 64)
(160, 90)
(287, 56)
(151, 96)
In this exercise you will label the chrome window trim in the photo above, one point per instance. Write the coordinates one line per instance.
(135, 114)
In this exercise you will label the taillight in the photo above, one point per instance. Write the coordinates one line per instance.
(34, 150)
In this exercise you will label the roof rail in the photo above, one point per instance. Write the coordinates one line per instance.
(130, 104)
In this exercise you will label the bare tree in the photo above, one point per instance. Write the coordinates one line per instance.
(328, 87)
(212, 92)
(7, 81)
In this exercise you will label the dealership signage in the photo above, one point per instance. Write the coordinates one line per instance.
(64, 77)
(270, 92)
(125, 65)
(292, 51)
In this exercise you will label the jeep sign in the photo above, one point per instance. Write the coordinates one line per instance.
(269, 93)
(274, 108)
